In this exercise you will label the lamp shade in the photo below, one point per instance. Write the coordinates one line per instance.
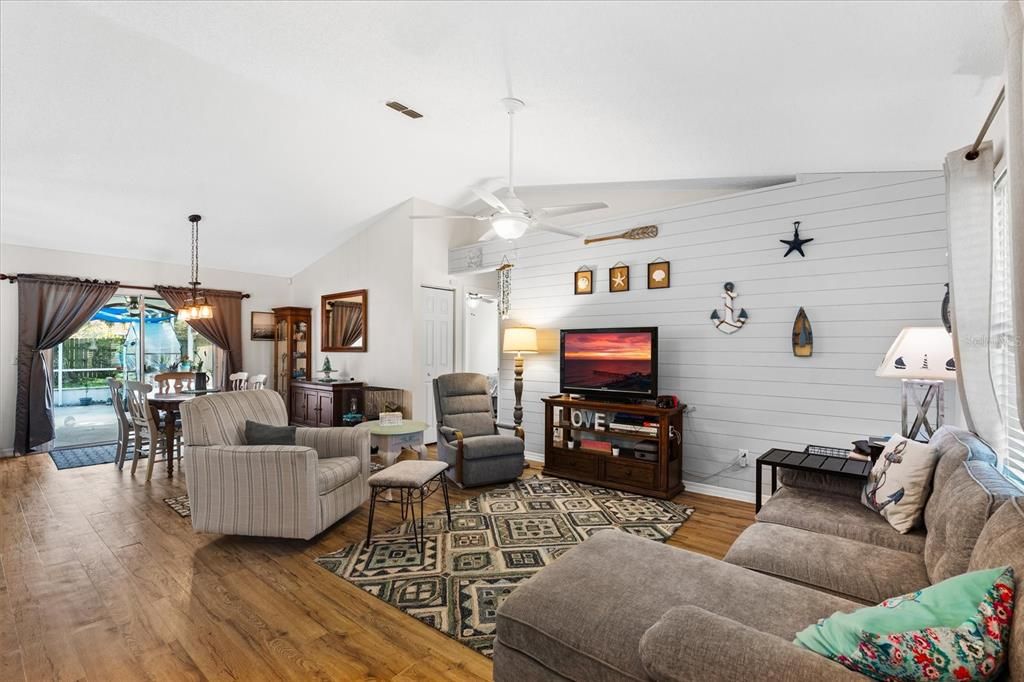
(920, 353)
(520, 340)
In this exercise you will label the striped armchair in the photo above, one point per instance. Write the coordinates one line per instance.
(283, 491)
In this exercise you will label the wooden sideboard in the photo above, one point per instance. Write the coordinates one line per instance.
(317, 403)
(658, 472)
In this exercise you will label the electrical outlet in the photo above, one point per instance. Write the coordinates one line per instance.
(744, 457)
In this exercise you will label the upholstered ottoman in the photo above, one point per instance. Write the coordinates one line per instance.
(409, 476)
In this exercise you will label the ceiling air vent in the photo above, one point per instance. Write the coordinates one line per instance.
(402, 109)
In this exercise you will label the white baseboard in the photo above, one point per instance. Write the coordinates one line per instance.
(6, 452)
(700, 488)
(718, 491)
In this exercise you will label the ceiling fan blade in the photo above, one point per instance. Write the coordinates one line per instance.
(555, 211)
(548, 227)
(489, 199)
(448, 217)
(488, 235)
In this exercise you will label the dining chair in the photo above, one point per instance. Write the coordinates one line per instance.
(258, 381)
(238, 380)
(147, 431)
(174, 382)
(125, 427)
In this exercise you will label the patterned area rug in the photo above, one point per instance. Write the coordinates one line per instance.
(86, 455)
(497, 540)
(180, 504)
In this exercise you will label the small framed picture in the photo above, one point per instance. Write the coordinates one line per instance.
(583, 282)
(261, 326)
(658, 274)
(618, 278)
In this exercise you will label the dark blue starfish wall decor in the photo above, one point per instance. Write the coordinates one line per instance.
(796, 244)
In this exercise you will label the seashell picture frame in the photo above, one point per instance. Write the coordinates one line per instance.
(583, 281)
(658, 274)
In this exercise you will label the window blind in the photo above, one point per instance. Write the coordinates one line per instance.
(1002, 336)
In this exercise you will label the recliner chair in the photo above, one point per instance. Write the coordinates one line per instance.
(467, 433)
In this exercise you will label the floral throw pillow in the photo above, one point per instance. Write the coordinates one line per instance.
(955, 630)
(900, 482)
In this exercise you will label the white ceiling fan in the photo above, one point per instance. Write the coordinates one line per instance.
(511, 218)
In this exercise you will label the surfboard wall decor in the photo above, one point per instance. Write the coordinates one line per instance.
(803, 338)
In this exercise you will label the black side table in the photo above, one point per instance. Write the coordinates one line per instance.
(801, 461)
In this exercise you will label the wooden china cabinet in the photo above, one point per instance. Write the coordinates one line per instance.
(293, 349)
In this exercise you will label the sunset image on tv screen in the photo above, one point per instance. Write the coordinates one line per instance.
(609, 361)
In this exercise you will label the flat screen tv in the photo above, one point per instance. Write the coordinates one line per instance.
(610, 364)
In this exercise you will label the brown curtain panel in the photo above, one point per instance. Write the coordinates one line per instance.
(50, 310)
(346, 323)
(224, 329)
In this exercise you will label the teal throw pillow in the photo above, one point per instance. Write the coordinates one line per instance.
(958, 629)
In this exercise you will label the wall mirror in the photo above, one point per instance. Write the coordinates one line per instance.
(343, 322)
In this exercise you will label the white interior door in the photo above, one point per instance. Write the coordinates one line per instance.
(438, 346)
(480, 349)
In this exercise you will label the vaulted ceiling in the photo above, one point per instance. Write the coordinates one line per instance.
(117, 120)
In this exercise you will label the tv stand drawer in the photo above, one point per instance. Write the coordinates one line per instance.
(630, 473)
(572, 463)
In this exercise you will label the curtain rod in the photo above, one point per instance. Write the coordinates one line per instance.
(14, 278)
(973, 154)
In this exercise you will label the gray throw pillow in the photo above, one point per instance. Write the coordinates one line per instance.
(265, 434)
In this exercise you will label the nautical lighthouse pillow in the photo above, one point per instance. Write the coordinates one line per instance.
(900, 482)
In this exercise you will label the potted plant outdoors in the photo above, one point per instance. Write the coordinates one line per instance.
(200, 384)
(86, 399)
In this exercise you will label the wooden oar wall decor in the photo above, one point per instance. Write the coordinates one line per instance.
(645, 232)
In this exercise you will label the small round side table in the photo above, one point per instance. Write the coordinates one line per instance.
(389, 440)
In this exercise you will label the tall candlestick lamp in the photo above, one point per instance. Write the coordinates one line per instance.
(519, 340)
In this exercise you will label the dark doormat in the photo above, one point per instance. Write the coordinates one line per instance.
(86, 455)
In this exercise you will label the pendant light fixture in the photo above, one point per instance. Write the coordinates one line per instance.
(195, 306)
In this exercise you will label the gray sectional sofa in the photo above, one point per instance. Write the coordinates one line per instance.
(618, 607)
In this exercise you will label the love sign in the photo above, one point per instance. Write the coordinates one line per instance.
(588, 419)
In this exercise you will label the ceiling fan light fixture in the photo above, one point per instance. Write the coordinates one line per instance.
(509, 225)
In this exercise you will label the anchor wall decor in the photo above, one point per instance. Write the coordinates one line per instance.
(730, 323)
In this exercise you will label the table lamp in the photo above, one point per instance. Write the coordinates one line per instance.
(922, 358)
(519, 340)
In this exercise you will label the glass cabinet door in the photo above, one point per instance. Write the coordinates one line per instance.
(281, 353)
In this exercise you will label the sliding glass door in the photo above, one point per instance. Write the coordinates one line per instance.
(132, 338)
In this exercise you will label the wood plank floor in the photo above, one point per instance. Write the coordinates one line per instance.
(103, 581)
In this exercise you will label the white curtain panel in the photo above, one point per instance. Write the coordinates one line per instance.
(1013, 18)
(969, 214)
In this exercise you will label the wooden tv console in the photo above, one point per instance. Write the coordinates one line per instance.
(661, 477)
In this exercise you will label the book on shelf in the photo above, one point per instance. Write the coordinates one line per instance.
(634, 428)
(602, 445)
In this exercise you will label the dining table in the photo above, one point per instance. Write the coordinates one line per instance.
(166, 409)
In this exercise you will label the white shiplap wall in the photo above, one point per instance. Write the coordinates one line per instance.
(877, 264)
